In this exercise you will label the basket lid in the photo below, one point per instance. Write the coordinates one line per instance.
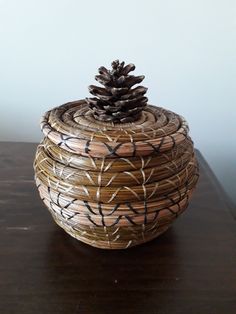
(117, 122)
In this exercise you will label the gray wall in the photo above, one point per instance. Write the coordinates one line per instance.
(50, 51)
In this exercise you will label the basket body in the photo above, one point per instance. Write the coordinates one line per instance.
(114, 186)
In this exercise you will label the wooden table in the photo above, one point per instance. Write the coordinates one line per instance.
(189, 269)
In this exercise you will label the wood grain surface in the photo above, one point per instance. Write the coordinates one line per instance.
(189, 269)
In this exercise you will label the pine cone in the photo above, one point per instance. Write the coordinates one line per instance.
(117, 101)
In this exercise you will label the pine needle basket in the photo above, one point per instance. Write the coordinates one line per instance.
(115, 185)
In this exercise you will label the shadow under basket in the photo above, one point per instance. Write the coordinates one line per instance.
(114, 185)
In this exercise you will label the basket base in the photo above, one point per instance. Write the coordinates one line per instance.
(111, 245)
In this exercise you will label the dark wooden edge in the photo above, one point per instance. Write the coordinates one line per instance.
(214, 180)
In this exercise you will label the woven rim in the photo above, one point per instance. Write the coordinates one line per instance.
(45, 163)
(118, 194)
(74, 212)
(114, 164)
(105, 209)
(84, 139)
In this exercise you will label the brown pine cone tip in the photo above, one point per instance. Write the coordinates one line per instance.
(117, 101)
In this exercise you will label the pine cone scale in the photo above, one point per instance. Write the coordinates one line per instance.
(128, 68)
(134, 93)
(116, 91)
(131, 102)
